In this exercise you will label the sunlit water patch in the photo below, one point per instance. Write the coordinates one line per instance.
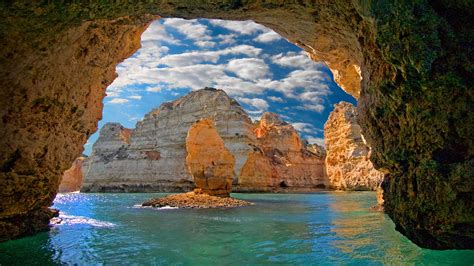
(323, 229)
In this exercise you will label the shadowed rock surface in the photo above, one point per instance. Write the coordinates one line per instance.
(409, 63)
(72, 179)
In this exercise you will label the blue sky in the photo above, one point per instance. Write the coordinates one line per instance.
(253, 64)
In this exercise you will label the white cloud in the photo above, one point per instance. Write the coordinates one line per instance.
(303, 127)
(295, 60)
(276, 99)
(135, 97)
(318, 108)
(249, 68)
(196, 57)
(205, 44)
(157, 32)
(118, 101)
(192, 29)
(246, 27)
(269, 36)
(257, 103)
(226, 38)
(154, 89)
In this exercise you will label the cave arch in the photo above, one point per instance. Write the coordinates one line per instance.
(405, 62)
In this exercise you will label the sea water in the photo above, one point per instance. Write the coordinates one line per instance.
(292, 229)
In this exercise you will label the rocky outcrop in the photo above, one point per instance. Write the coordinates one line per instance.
(414, 87)
(269, 156)
(195, 200)
(72, 179)
(209, 162)
(280, 160)
(348, 162)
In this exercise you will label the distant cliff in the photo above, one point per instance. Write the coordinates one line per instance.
(269, 155)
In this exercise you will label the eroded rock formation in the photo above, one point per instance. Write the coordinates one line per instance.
(280, 160)
(415, 97)
(348, 162)
(72, 179)
(209, 162)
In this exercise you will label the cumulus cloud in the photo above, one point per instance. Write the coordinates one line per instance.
(192, 29)
(276, 99)
(157, 32)
(257, 103)
(303, 127)
(294, 60)
(269, 36)
(246, 27)
(249, 68)
(118, 101)
(135, 97)
(318, 108)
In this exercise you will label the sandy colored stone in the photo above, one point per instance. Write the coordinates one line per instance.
(72, 179)
(209, 162)
(195, 200)
(280, 160)
(348, 162)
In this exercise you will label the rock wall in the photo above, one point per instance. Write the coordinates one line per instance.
(348, 157)
(409, 63)
(209, 162)
(72, 179)
(280, 160)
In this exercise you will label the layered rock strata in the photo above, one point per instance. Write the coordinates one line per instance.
(409, 62)
(269, 155)
(72, 179)
(280, 160)
(348, 162)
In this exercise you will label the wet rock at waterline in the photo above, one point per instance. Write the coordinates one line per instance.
(195, 200)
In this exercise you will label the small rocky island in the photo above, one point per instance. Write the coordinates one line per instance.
(212, 167)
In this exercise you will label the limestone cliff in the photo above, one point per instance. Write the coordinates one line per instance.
(280, 160)
(348, 157)
(269, 155)
(72, 179)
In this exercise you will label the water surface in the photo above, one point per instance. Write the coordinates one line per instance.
(323, 229)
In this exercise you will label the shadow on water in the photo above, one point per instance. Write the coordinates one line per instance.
(321, 228)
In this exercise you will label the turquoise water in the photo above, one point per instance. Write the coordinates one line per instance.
(323, 228)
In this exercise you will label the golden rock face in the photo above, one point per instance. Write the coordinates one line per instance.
(208, 160)
(72, 179)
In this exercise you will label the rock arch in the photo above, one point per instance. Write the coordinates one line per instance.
(407, 63)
